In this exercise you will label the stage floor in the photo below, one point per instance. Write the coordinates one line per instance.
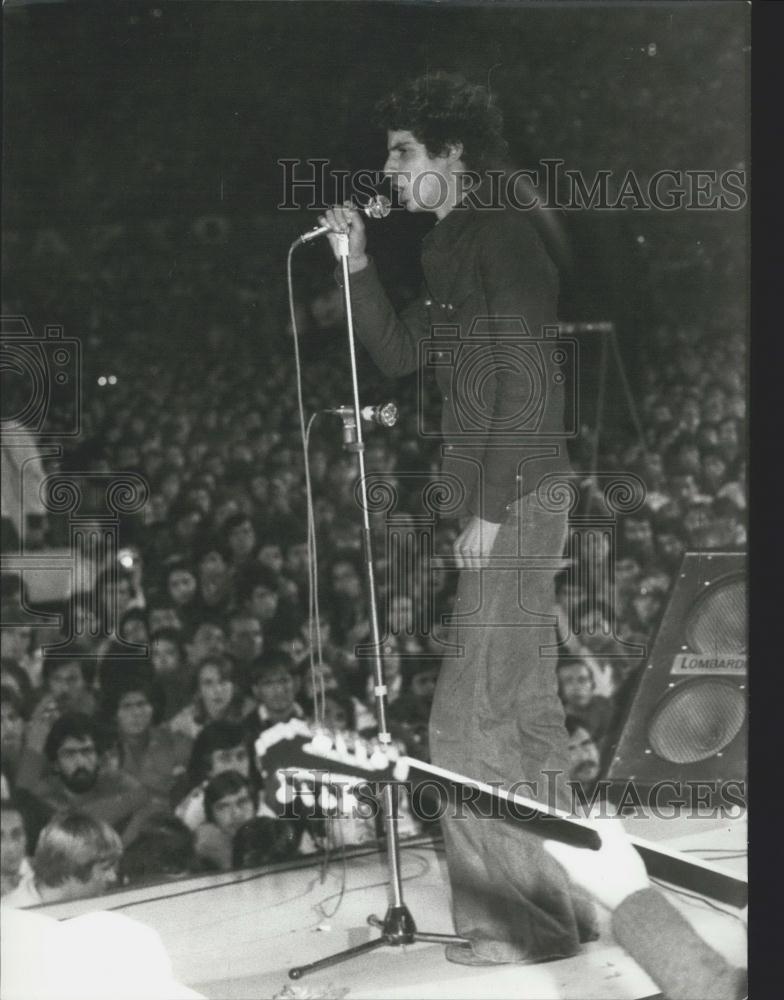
(236, 935)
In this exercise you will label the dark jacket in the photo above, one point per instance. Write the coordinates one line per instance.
(480, 323)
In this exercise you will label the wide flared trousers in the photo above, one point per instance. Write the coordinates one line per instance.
(497, 717)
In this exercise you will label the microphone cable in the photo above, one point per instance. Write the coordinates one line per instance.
(317, 675)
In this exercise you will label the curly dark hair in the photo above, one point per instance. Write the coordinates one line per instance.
(443, 109)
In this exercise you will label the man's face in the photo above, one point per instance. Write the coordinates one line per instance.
(335, 717)
(689, 459)
(313, 627)
(12, 729)
(575, 684)
(736, 406)
(345, 580)
(713, 471)
(15, 641)
(164, 618)
(165, 656)
(67, 686)
(647, 605)
(296, 648)
(272, 557)
(77, 763)
(263, 602)
(200, 497)
(420, 180)
(670, 548)
(230, 759)
(683, 488)
(276, 690)
(626, 571)
(119, 596)
(690, 415)
(212, 562)
(208, 640)
(102, 878)
(182, 586)
(728, 435)
(638, 534)
(214, 588)
(297, 560)
(423, 684)
(12, 842)
(393, 662)
(654, 469)
(231, 811)
(187, 525)
(242, 540)
(135, 630)
(247, 638)
(216, 691)
(662, 413)
(134, 714)
(328, 680)
(695, 521)
(583, 756)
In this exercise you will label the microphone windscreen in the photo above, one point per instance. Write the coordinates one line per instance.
(378, 207)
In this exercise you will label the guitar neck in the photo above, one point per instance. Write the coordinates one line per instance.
(662, 863)
(292, 748)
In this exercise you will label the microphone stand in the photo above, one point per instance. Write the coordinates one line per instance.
(398, 926)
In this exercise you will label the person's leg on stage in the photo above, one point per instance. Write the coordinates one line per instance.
(497, 717)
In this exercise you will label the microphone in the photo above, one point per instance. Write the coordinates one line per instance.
(378, 207)
(383, 414)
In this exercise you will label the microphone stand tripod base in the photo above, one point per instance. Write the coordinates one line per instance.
(397, 929)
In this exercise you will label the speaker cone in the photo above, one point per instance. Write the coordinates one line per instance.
(697, 720)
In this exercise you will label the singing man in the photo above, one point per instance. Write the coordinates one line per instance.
(489, 300)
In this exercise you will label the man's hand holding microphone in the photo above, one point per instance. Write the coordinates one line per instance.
(347, 220)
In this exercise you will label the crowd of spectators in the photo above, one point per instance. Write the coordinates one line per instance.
(199, 634)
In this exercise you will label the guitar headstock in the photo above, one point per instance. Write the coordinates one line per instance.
(297, 745)
(332, 794)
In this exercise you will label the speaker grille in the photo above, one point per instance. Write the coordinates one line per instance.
(717, 623)
(696, 720)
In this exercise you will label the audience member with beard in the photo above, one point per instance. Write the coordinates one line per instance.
(76, 779)
(584, 758)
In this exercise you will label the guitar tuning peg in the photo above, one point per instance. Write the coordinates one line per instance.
(327, 800)
(321, 743)
(284, 792)
(341, 747)
(307, 794)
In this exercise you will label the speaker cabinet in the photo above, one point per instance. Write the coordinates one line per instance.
(687, 721)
